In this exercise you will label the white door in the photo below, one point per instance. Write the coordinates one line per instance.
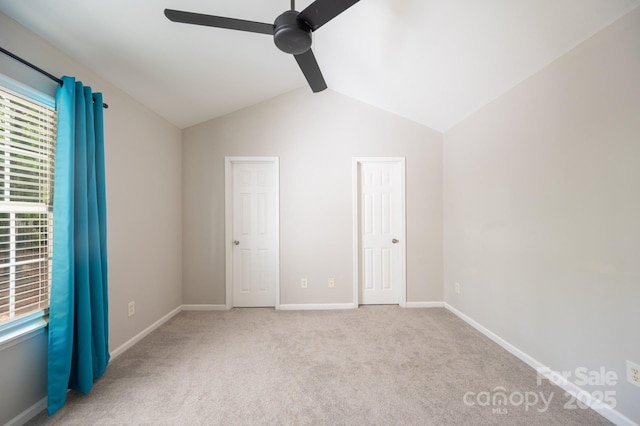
(254, 232)
(381, 224)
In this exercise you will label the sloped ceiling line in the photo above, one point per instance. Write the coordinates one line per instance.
(431, 61)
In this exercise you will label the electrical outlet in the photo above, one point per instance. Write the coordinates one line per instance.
(457, 287)
(332, 283)
(132, 308)
(633, 373)
(303, 283)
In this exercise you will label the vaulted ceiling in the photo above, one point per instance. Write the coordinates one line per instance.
(431, 61)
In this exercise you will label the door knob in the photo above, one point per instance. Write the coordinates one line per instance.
(395, 241)
(236, 242)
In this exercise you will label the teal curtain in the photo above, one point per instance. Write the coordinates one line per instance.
(78, 314)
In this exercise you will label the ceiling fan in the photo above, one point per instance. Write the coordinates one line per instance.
(291, 31)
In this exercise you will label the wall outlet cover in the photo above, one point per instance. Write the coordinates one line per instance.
(633, 373)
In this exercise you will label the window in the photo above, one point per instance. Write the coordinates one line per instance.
(27, 147)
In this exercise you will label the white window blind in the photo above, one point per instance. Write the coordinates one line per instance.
(27, 147)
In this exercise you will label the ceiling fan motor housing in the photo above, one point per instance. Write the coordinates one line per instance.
(291, 35)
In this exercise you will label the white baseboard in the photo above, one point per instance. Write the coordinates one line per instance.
(316, 306)
(144, 333)
(425, 305)
(204, 308)
(29, 413)
(499, 340)
(600, 407)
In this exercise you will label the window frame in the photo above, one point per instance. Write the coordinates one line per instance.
(34, 323)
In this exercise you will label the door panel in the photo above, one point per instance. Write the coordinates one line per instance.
(381, 186)
(254, 234)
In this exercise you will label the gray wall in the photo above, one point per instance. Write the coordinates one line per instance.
(542, 211)
(315, 136)
(143, 167)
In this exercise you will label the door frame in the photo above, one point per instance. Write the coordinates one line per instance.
(356, 163)
(228, 222)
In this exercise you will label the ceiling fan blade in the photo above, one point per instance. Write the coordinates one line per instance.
(311, 71)
(218, 21)
(320, 12)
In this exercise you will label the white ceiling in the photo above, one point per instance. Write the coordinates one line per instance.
(431, 61)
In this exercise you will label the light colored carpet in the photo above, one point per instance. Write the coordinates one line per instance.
(380, 365)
